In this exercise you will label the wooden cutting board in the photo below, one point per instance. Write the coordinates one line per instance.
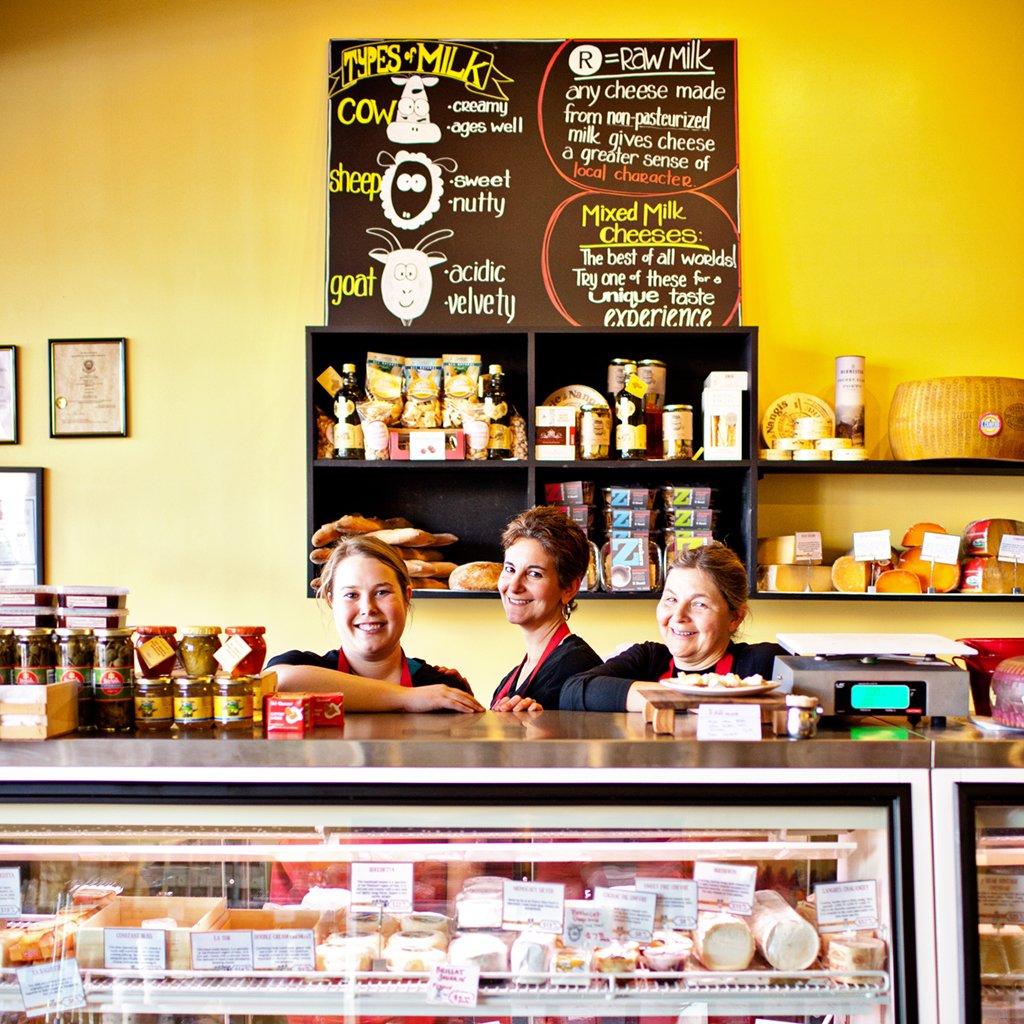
(661, 705)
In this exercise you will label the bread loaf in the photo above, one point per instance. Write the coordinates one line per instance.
(784, 938)
(409, 536)
(420, 569)
(475, 576)
(723, 941)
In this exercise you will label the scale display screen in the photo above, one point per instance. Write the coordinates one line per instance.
(869, 696)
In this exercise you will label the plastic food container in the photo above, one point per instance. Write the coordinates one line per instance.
(196, 651)
(92, 597)
(88, 617)
(629, 497)
(687, 497)
(15, 594)
(624, 567)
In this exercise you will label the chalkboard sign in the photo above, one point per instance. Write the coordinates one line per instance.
(533, 184)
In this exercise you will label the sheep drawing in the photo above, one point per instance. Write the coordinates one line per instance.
(407, 280)
(411, 187)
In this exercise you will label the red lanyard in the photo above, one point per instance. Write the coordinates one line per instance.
(406, 678)
(723, 667)
(559, 635)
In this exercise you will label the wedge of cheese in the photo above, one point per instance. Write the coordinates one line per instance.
(794, 579)
(779, 551)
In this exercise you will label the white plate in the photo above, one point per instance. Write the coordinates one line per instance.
(719, 691)
(576, 395)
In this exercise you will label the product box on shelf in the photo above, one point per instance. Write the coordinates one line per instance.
(723, 423)
(407, 444)
(189, 913)
(271, 918)
(556, 433)
(36, 712)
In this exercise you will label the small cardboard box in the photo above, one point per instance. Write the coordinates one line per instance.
(723, 423)
(54, 709)
(443, 443)
(556, 433)
(291, 918)
(190, 913)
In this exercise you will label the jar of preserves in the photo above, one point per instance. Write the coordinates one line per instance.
(156, 649)
(76, 658)
(154, 704)
(595, 431)
(7, 646)
(193, 703)
(232, 702)
(251, 661)
(113, 681)
(196, 651)
(677, 431)
(35, 656)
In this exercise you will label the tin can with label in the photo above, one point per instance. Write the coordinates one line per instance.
(677, 431)
(595, 431)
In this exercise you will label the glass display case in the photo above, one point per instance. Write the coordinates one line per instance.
(617, 895)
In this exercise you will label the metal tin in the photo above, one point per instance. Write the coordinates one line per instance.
(653, 373)
(595, 431)
(677, 431)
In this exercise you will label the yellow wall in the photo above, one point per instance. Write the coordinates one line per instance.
(163, 170)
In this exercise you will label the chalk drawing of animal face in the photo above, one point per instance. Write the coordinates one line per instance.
(412, 187)
(407, 279)
(413, 126)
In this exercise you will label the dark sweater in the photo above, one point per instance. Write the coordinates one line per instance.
(422, 674)
(604, 687)
(573, 655)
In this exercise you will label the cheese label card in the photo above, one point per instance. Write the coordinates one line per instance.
(808, 547)
(729, 722)
(454, 984)
(51, 987)
(872, 546)
(941, 547)
(155, 650)
(586, 924)
(330, 381)
(10, 892)
(222, 951)
(388, 886)
(230, 653)
(533, 906)
(284, 949)
(728, 887)
(1001, 899)
(632, 913)
(676, 908)
(136, 949)
(845, 906)
(1011, 548)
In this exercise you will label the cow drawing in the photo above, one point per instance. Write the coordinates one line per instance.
(413, 125)
(407, 279)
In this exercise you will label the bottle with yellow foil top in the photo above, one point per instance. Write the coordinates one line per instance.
(630, 422)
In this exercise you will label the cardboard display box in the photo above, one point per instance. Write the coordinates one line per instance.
(277, 917)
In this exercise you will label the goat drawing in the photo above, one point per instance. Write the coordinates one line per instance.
(407, 279)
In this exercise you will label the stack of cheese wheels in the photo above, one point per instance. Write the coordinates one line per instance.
(785, 939)
(723, 941)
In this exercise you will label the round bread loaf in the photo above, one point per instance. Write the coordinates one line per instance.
(475, 576)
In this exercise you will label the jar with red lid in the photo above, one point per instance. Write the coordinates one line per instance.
(156, 650)
(251, 662)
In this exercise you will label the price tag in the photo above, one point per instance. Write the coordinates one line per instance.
(455, 984)
(388, 886)
(135, 949)
(1001, 899)
(10, 892)
(632, 913)
(284, 949)
(1011, 548)
(729, 722)
(727, 887)
(222, 951)
(51, 987)
(587, 925)
(330, 381)
(872, 546)
(231, 652)
(808, 547)
(843, 906)
(677, 901)
(155, 650)
(533, 906)
(941, 547)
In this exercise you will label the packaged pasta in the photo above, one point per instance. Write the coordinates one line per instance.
(422, 387)
(375, 415)
(461, 375)
(384, 376)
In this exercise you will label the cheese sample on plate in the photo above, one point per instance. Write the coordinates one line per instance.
(794, 579)
(780, 551)
(784, 938)
(723, 941)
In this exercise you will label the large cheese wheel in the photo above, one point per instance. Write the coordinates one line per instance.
(989, 576)
(983, 536)
(941, 576)
(779, 551)
(723, 941)
(794, 579)
(785, 939)
(897, 581)
(914, 537)
(855, 953)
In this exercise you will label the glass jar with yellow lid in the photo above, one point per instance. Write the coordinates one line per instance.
(196, 651)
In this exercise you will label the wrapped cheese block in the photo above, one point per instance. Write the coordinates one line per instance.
(363, 921)
(478, 909)
(616, 958)
(855, 953)
(487, 951)
(570, 960)
(723, 941)
(784, 938)
(983, 536)
(531, 954)
(344, 953)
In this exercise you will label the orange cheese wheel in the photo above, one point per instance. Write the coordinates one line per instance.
(944, 578)
(914, 537)
(898, 581)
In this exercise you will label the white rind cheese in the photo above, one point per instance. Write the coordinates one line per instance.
(723, 941)
(783, 937)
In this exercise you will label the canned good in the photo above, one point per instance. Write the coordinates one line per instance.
(677, 431)
(156, 648)
(35, 656)
(193, 703)
(653, 373)
(617, 375)
(7, 647)
(114, 681)
(76, 658)
(251, 662)
(154, 704)
(196, 651)
(595, 431)
(232, 702)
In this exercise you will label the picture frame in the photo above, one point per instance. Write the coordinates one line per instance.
(21, 525)
(88, 387)
(8, 394)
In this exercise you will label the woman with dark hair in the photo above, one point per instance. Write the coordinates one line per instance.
(546, 558)
(366, 584)
(703, 603)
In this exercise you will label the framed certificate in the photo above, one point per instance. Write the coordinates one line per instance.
(21, 525)
(88, 391)
(8, 394)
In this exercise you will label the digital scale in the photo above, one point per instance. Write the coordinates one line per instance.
(876, 674)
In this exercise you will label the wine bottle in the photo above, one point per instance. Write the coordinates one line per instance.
(499, 437)
(630, 424)
(348, 431)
